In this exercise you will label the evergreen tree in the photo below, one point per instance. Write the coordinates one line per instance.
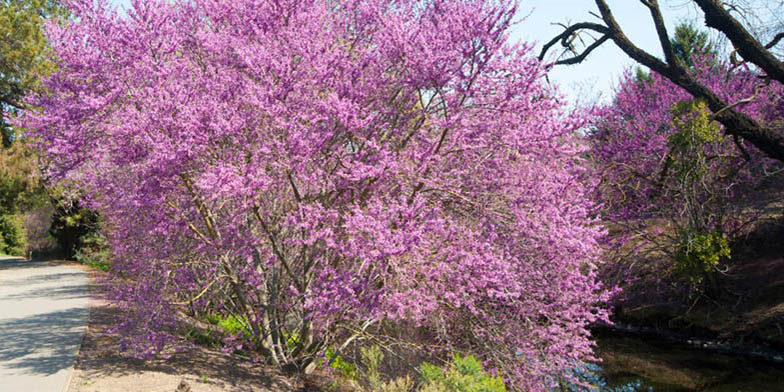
(688, 41)
(24, 54)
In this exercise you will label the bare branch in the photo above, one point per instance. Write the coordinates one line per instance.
(750, 49)
(775, 40)
(749, 99)
(579, 58)
(569, 32)
(661, 31)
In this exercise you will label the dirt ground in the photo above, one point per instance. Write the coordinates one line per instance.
(100, 367)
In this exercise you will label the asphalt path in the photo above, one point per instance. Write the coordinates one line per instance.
(43, 315)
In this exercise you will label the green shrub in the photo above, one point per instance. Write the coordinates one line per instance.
(371, 359)
(94, 251)
(347, 369)
(698, 253)
(13, 240)
(463, 374)
(232, 325)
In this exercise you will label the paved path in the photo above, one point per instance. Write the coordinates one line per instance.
(43, 315)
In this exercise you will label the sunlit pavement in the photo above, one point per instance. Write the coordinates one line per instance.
(43, 315)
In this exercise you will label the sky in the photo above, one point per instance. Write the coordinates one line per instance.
(594, 78)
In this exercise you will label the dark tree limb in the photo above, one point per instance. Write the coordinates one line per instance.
(566, 36)
(736, 124)
(661, 30)
(717, 17)
(775, 40)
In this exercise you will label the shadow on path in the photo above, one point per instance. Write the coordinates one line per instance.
(43, 316)
(43, 343)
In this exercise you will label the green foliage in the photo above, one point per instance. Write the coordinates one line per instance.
(232, 325)
(698, 247)
(463, 374)
(292, 340)
(347, 369)
(12, 235)
(24, 54)
(19, 186)
(687, 160)
(688, 41)
(94, 251)
(24, 58)
(371, 359)
(698, 253)
(642, 76)
(694, 125)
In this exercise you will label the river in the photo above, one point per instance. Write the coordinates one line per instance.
(669, 366)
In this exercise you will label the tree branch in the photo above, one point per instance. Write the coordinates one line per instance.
(661, 31)
(749, 48)
(775, 40)
(569, 32)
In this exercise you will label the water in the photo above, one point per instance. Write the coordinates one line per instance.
(667, 366)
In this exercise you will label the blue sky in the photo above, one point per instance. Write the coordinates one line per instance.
(594, 78)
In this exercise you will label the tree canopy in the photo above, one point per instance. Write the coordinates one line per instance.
(320, 171)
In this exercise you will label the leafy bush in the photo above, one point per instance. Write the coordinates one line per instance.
(463, 374)
(698, 253)
(335, 361)
(371, 359)
(94, 251)
(12, 235)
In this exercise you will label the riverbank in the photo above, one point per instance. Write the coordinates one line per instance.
(728, 337)
(669, 366)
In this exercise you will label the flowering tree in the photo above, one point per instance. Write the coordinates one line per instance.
(670, 174)
(319, 168)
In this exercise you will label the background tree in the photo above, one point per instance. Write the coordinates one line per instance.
(23, 59)
(688, 41)
(321, 174)
(24, 54)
